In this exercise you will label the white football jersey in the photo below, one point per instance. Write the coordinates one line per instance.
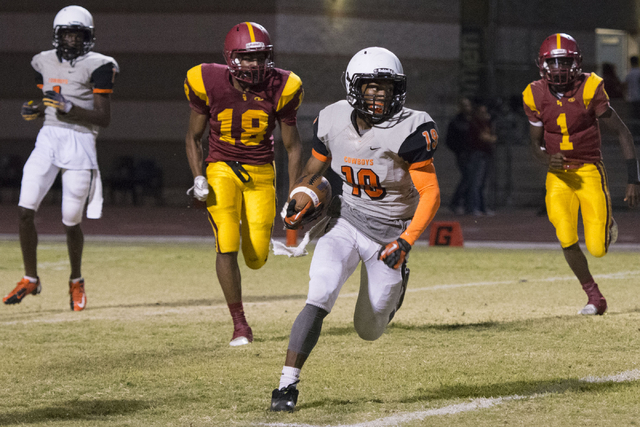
(77, 81)
(374, 167)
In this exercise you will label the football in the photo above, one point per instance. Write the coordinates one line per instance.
(314, 188)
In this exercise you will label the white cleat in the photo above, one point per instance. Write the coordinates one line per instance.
(587, 310)
(593, 309)
(239, 341)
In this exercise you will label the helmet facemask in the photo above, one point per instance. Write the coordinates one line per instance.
(70, 51)
(260, 56)
(561, 72)
(379, 108)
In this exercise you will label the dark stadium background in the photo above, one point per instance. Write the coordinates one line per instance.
(477, 48)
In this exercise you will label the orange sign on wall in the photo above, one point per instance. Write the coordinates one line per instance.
(446, 233)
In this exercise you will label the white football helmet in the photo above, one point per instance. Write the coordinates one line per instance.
(375, 63)
(73, 18)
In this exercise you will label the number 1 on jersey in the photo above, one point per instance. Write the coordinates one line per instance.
(562, 122)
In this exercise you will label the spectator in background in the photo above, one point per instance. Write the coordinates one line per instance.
(458, 141)
(632, 88)
(612, 84)
(483, 141)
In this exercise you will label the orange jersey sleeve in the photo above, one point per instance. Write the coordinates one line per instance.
(425, 180)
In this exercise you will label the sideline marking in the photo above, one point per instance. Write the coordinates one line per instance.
(475, 404)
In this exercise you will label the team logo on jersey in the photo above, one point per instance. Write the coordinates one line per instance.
(571, 100)
(559, 103)
(355, 161)
(257, 98)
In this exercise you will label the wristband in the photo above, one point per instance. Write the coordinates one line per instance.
(633, 171)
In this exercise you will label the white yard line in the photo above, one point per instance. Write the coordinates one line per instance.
(473, 405)
(618, 275)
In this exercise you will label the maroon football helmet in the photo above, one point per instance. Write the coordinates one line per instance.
(249, 38)
(559, 60)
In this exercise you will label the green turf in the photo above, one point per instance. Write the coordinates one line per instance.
(152, 347)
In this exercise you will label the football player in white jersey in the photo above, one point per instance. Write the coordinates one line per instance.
(76, 84)
(384, 154)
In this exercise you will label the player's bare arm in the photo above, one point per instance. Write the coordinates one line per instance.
(293, 145)
(193, 145)
(193, 141)
(536, 134)
(99, 116)
(315, 166)
(612, 121)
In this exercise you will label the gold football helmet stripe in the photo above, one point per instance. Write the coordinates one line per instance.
(250, 27)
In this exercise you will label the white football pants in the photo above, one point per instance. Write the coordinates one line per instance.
(335, 258)
(38, 176)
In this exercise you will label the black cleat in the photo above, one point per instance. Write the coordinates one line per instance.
(284, 399)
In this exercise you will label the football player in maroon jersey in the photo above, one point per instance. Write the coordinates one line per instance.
(565, 108)
(241, 102)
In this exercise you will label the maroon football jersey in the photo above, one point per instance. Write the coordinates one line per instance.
(241, 124)
(570, 122)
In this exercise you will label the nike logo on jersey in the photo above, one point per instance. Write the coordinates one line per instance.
(374, 148)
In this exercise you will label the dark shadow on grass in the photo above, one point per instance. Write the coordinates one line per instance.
(75, 410)
(183, 303)
(456, 392)
(347, 330)
(520, 388)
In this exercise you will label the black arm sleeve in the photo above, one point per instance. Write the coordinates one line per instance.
(104, 76)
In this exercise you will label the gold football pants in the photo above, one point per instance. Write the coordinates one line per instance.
(584, 189)
(237, 207)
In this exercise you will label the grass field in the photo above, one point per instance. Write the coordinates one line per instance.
(486, 337)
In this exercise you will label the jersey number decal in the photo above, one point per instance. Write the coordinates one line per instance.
(432, 142)
(254, 125)
(562, 122)
(367, 180)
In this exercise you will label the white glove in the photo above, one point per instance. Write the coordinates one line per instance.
(200, 189)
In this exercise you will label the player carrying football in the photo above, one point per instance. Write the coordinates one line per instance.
(76, 83)
(564, 109)
(384, 154)
(241, 102)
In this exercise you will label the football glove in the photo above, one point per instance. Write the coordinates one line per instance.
(394, 253)
(30, 111)
(57, 101)
(200, 189)
(294, 220)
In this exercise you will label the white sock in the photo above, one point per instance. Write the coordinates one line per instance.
(289, 376)
(76, 280)
(31, 279)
